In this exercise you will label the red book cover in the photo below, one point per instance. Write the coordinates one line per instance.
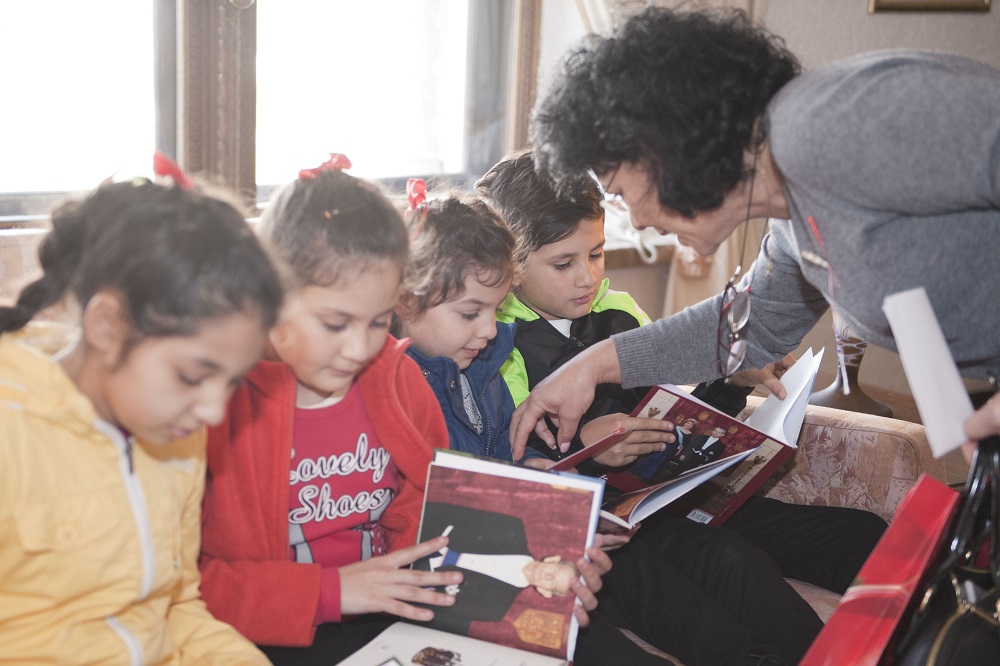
(864, 623)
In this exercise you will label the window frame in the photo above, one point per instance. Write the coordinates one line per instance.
(205, 87)
(216, 71)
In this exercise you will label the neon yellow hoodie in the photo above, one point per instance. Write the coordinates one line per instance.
(98, 545)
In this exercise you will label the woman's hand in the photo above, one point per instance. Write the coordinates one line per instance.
(591, 570)
(984, 422)
(381, 585)
(768, 377)
(564, 396)
(646, 436)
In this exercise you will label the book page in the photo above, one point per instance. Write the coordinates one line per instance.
(632, 508)
(407, 644)
(782, 419)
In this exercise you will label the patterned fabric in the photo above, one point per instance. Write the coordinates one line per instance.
(475, 416)
(855, 460)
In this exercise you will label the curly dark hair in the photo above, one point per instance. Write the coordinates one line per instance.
(681, 92)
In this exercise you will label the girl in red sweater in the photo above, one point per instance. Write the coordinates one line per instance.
(315, 480)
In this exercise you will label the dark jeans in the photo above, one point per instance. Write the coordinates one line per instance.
(717, 595)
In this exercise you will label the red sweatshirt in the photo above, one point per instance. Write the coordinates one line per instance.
(248, 578)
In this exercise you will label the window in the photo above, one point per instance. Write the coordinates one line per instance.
(78, 97)
(390, 96)
(403, 87)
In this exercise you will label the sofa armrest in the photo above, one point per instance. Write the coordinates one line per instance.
(854, 460)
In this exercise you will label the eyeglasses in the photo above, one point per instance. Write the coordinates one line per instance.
(734, 315)
(613, 201)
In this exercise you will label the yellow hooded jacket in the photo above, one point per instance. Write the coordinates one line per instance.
(99, 535)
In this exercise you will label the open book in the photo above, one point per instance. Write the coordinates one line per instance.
(717, 462)
(514, 533)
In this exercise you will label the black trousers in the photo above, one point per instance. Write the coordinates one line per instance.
(717, 595)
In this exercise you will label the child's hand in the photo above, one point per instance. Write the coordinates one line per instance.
(538, 463)
(381, 585)
(617, 539)
(648, 435)
(591, 568)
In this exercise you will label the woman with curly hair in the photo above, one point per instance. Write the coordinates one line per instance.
(880, 173)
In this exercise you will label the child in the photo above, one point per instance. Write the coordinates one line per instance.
(103, 455)
(459, 272)
(562, 304)
(316, 478)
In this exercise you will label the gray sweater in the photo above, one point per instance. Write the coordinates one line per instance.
(896, 158)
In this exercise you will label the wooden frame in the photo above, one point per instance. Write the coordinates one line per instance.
(928, 5)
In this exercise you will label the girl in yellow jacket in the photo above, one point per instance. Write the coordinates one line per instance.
(102, 445)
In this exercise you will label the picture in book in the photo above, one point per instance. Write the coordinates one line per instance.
(703, 436)
(515, 536)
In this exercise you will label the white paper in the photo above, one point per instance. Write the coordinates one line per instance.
(938, 391)
(782, 419)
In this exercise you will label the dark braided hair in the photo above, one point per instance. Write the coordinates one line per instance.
(177, 257)
(681, 92)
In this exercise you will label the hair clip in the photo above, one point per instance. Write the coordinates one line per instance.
(416, 195)
(164, 166)
(337, 162)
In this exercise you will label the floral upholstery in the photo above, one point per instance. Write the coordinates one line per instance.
(854, 460)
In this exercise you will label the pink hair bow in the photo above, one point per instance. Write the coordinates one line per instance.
(416, 195)
(337, 162)
(164, 166)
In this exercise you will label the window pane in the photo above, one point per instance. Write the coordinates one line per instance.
(77, 83)
(382, 82)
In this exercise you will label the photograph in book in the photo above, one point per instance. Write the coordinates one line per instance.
(717, 461)
(515, 534)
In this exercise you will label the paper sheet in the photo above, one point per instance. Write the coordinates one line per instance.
(782, 419)
(938, 391)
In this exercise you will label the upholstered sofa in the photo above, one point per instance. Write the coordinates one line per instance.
(853, 460)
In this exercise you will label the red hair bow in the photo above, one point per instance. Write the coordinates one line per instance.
(416, 195)
(416, 192)
(337, 162)
(164, 166)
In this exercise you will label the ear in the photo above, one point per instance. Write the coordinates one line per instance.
(545, 593)
(106, 326)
